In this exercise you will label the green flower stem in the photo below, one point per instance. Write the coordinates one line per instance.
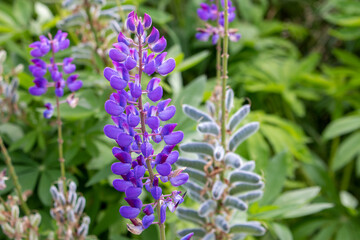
(143, 130)
(88, 14)
(60, 144)
(218, 66)
(14, 178)
(224, 72)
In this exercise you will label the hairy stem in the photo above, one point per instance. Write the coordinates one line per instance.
(224, 72)
(60, 144)
(143, 130)
(14, 178)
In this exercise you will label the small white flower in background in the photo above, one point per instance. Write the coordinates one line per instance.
(3, 178)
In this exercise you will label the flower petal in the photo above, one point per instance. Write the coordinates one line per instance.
(180, 179)
(119, 168)
(174, 138)
(164, 169)
(129, 212)
(166, 67)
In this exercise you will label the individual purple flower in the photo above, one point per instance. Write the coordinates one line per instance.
(49, 110)
(212, 13)
(187, 237)
(138, 123)
(57, 70)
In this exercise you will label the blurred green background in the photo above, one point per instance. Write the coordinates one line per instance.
(297, 61)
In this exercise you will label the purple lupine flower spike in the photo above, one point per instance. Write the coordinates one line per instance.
(139, 115)
(212, 13)
(57, 71)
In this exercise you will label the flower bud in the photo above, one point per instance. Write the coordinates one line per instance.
(15, 211)
(35, 219)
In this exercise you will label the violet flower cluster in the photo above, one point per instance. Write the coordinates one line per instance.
(211, 12)
(39, 69)
(137, 125)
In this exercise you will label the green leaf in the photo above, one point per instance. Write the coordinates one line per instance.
(27, 142)
(300, 196)
(282, 231)
(341, 126)
(275, 176)
(158, 16)
(100, 175)
(347, 151)
(348, 200)
(13, 131)
(307, 210)
(192, 61)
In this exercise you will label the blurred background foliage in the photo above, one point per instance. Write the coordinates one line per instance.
(297, 63)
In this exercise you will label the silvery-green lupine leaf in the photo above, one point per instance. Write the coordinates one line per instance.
(108, 14)
(209, 236)
(115, 26)
(197, 197)
(211, 108)
(242, 134)
(76, 19)
(251, 196)
(239, 236)
(219, 153)
(209, 128)
(229, 101)
(237, 117)
(248, 166)
(198, 164)
(198, 232)
(244, 176)
(245, 187)
(196, 114)
(196, 175)
(207, 207)
(234, 202)
(198, 147)
(70, 4)
(221, 222)
(193, 186)
(218, 189)
(190, 215)
(252, 228)
(98, 2)
(233, 160)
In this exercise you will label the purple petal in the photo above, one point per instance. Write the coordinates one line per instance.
(146, 149)
(36, 91)
(187, 237)
(59, 92)
(168, 128)
(202, 36)
(117, 83)
(172, 157)
(215, 39)
(129, 212)
(140, 29)
(130, 23)
(123, 39)
(167, 114)
(147, 21)
(163, 213)
(166, 67)
(121, 185)
(130, 63)
(123, 157)
(150, 67)
(164, 169)
(156, 94)
(74, 86)
(153, 122)
(116, 55)
(135, 90)
(174, 138)
(124, 140)
(148, 220)
(133, 120)
(113, 108)
(112, 131)
(179, 180)
(134, 202)
(156, 192)
(133, 192)
(109, 72)
(139, 171)
(160, 45)
(119, 168)
(148, 210)
(154, 35)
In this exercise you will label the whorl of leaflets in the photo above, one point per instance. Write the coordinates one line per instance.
(210, 12)
(39, 68)
(137, 126)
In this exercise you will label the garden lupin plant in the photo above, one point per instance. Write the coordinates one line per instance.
(220, 180)
(138, 124)
(68, 207)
